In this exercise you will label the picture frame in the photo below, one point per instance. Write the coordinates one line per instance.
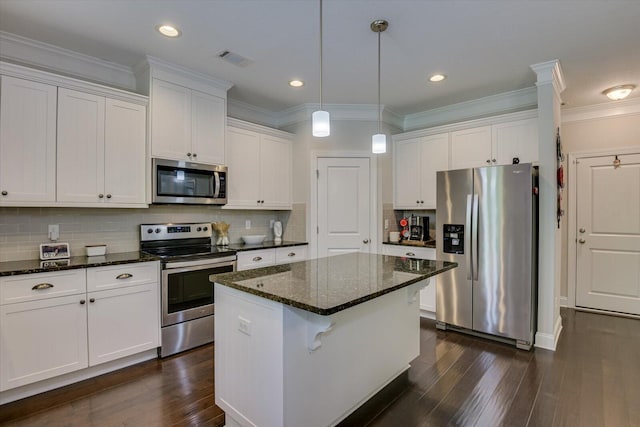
(54, 251)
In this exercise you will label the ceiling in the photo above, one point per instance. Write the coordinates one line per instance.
(484, 47)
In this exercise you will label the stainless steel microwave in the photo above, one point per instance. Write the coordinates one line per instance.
(188, 183)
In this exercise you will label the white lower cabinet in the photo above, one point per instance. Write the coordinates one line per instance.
(53, 323)
(428, 294)
(251, 259)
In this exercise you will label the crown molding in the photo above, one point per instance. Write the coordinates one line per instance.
(342, 112)
(242, 124)
(550, 72)
(502, 103)
(17, 49)
(600, 111)
(244, 111)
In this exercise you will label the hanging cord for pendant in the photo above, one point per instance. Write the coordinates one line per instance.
(379, 110)
(321, 56)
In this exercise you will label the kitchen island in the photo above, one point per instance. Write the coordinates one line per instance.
(305, 344)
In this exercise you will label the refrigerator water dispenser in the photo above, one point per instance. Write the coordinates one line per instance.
(453, 239)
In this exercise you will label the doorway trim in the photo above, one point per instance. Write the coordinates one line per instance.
(572, 206)
(312, 216)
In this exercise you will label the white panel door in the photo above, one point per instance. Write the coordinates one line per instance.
(42, 339)
(433, 158)
(243, 160)
(515, 139)
(27, 141)
(80, 151)
(471, 148)
(275, 172)
(344, 217)
(124, 152)
(608, 221)
(170, 121)
(406, 172)
(208, 122)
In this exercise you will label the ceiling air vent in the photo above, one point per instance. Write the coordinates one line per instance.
(234, 58)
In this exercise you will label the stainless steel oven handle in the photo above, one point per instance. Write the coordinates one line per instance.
(177, 267)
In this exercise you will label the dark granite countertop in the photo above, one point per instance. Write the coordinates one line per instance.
(267, 244)
(12, 268)
(328, 285)
(428, 244)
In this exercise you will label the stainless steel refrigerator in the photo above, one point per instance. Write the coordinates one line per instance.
(486, 221)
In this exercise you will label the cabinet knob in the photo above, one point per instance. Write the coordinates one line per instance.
(488, 161)
(422, 202)
(92, 300)
(418, 201)
(4, 193)
(582, 230)
(257, 258)
(582, 241)
(188, 154)
(108, 196)
(100, 196)
(365, 241)
(493, 160)
(82, 301)
(195, 154)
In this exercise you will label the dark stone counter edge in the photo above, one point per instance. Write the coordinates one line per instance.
(268, 244)
(14, 268)
(428, 245)
(338, 308)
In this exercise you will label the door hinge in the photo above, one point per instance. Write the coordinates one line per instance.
(317, 173)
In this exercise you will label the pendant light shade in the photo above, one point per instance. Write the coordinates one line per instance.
(320, 122)
(379, 140)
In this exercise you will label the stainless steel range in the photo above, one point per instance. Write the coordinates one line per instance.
(187, 258)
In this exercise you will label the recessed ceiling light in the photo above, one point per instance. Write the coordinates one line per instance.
(168, 30)
(617, 93)
(437, 78)
(296, 83)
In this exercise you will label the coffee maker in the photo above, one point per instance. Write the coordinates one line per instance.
(419, 228)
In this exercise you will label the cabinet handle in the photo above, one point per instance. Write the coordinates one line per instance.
(291, 254)
(257, 258)
(4, 193)
(410, 254)
(124, 276)
(108, 196)
(92, 300)
(41, 286)
(488, 161)
(100, 196)
(82, 302)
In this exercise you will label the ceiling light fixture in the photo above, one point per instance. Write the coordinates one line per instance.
(320, 122)
(168, 30)
(437, 78)
(617, 93)
(296, 83)
(379, 140)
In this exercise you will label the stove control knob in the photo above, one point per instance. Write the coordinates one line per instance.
(205, 229)
(199, 229)
(157, 230)
(149, 230)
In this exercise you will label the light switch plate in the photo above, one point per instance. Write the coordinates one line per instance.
(244, 325)
(247, 224)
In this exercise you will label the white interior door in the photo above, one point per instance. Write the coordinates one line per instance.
(608, 222)
(344, 192)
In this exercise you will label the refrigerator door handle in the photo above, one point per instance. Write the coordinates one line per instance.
(474, 237)
(467, 237)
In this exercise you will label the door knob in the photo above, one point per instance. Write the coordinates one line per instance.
(582, 230)
(365, 241)
(582, 241)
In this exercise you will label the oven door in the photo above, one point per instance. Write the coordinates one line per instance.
(187, 293)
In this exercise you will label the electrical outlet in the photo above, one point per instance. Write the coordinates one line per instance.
(54, 232)
(247, 224)
(244, 325)
(386, 224)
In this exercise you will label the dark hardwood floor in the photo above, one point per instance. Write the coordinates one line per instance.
(593, 379)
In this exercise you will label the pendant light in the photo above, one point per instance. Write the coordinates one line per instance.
(379, 140)
(320, 124)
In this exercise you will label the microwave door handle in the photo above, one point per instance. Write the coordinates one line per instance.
(216, 191)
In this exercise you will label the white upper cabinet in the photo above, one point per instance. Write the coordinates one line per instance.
(416, 162)
(471, 148)
(517, 139)
(27, 141)
(101, 150)
(187, 124)
(260, 165)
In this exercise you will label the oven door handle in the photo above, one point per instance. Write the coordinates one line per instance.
(201, 264)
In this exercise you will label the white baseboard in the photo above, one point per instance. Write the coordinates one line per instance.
(563, 301)
(549, 341)
(428, 314)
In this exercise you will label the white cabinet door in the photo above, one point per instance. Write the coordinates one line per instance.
(42, 339)
(515, 139)
(471, 148)
(434, 157)
(248, 260)
(123, 322)
(407, 169)
(208, 115)
(170, 121)
(27, 141)
(124, 153)
(80, 151)
(243, 159)
(275, 173)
